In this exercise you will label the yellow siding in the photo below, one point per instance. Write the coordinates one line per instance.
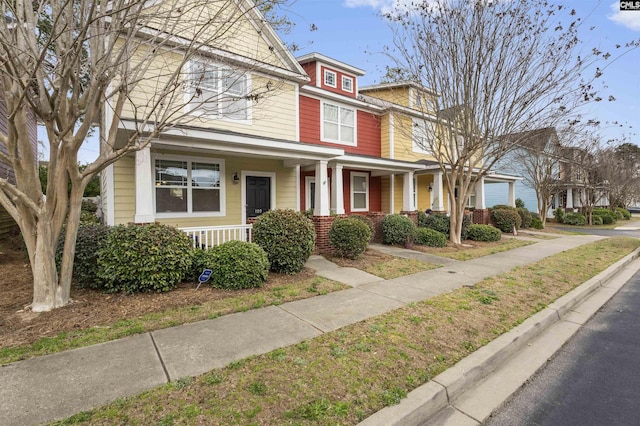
(385, 137)
(285, 181)
(399, 96)
(397, 193)
(424, 196)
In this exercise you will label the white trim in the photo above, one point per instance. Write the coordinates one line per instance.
(392, 193)
(297, 106)
(297, 167)
(414, 192)
(308, 180)
(347, 78)
(366, 176)
(191, 159)
(319, 75)
(110, 187)
(318, 58)
(323, 138)
(323, 94)
(392, 145)
(243, 190)
(328, 72)
(418, 125)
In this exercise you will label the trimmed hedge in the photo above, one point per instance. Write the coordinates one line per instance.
(90, 240)
(201, 259)
(288, 237)
(238, 265)
(484, 233)
(525, 217)
(574, 218)
(429, 237)
(596, 220)
(349, 237)
(536, 223)
(397, 229)
(144, 258)
(626, 214)
(506, 219)
(422, 219)
(558, 214)
(365, 220)
(608, 216)
(438, 221)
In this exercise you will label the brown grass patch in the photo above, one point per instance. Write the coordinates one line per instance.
(383, 265)
(473, 249)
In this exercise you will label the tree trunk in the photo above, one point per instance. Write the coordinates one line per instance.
(47, 293)
(455, 220)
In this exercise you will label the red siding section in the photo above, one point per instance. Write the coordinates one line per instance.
(375, 194)
(369, 135)
(310, 120)
(338, 88)
(310, 68)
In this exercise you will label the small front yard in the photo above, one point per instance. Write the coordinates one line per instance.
(383, 265)
(473, 249)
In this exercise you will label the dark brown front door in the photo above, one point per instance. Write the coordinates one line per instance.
(258, 195)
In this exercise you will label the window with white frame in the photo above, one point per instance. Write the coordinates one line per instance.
(359, 192)
(330, 78)
(347, 84)
(186, 186)
(471, 200)
(217, 91)
(338, 124)
(423, 137)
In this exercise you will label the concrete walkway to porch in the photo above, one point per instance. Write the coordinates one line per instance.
(59, 385)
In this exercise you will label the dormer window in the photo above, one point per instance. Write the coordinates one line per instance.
(330, 78)
(347, 84)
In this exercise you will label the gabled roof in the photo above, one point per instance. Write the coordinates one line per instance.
(396, 85)
(318, 57)
(535, 140)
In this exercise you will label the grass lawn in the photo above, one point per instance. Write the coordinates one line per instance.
(383, 265)
(346, 375)
(473, 249)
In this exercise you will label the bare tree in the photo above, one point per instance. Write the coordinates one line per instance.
(497, 68)
(71, 61)
(619, 169)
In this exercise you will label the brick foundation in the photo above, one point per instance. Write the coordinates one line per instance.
(322, 225)
(411, 215)
(376, 218)
(482, 216)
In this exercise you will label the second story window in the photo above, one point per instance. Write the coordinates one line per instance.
(347, 84)
(423, 134)
(338, 124)
(330, 78)
(218, 92)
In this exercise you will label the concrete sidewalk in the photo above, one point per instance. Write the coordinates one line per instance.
(57, 386)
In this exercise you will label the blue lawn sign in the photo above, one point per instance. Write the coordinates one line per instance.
(204, 277)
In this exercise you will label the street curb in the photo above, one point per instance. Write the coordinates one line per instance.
(435, 395)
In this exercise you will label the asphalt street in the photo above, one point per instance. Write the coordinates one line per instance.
(593, 380)
(603, 232)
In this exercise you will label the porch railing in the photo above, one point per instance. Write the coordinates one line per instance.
(210, 236)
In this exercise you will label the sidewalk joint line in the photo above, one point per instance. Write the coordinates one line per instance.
(301, 319)
(164, 367)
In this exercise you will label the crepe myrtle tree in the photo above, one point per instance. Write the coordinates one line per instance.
(490, 69)
(74, 63)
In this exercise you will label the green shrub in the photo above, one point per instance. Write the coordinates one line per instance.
(367, 221)
(422, 219)
(574, 218)
(201, 259)
(397, 229)
(506, 219)
(238, 265)
(519, 203)
(288, 238)
(536, 223)
(429, 237)
(626, 215)
(484, 233)
(466, 223)
(596, 220)
(144, 258)
(90, 240)
(534, 215)
(525, 217)
(349, 237)
(438, 221)
(608, 216)
(89, 206)
(619, 215)
(558, 214)
(89, 218)
(503, 207)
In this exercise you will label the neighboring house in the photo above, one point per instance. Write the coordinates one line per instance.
(580, 184)
(7, 224)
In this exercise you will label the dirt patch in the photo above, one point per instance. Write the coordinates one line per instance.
(20, 326)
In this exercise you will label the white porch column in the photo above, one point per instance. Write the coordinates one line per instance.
(322, 190)
(569, 198)
(512, 194)
(392, 193)
(480, 204)
(437, 193)
(144, 187)
(407, 192)
(337, 193)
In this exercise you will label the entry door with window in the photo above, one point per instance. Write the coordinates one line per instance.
(258, 195)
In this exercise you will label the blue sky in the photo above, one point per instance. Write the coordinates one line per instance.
(352, 31)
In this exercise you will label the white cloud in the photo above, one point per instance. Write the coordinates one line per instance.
(629, 19)
(384, 6)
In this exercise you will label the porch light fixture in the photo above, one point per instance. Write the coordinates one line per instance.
(236, 179)
(430, 188)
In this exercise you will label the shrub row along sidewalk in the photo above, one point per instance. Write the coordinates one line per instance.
(346, 375)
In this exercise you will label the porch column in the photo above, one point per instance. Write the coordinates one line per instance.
(144, 187)
(512, 194)
(569, 198)
(392, 193)
(407, 193)
(337, 194)
(322, 190)
(437, 203)
(480, 204)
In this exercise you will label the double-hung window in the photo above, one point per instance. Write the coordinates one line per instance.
(330, 78)
(218, 92)
(423, 137)
(359, 192)
(186, 186)
(347, 84)
(338, 124)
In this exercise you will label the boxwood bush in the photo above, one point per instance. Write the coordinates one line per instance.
(90, 240)
(438, 221)
(536, 223)
(608, 216)
(429, 237)
(367, 221)
(201, 259)
(349, 237)
(484, 233)
(574, 218)
(626, 215)
(506, 219)
(397, 229)
(596, 220)
(144, 258)
(238, 265)
(288, 237)
(525, 217)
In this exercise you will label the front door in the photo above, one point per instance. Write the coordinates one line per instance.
(258, 195)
